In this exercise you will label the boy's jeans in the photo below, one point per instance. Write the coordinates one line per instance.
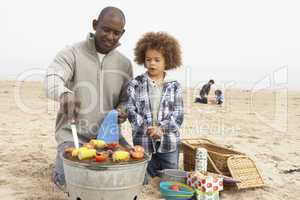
(160, 161)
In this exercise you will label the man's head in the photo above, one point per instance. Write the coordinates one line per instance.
(109, 27)
(211, 82)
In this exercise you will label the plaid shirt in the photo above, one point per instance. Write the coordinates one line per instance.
(170, 114)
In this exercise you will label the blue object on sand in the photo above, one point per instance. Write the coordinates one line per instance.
(109, 129)
(185, 192)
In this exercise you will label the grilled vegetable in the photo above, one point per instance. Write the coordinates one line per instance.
(137, 152)
(69, 149)
(86, 154)
(120, 156)
(112, 146)
(75, 151)
(101, 158)
(98, 143)
(89, 146)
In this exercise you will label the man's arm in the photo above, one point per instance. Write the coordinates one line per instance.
(124, 96)
(59, 73)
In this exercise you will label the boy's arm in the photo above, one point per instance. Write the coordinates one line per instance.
(175, 118)
(134, 118)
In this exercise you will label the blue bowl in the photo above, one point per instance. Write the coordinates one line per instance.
(184, 193)
(176, 198)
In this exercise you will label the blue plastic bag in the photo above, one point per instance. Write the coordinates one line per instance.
(109, 129)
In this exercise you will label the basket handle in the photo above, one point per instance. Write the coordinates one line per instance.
(187, 143)
(214, 165)
(207, 140)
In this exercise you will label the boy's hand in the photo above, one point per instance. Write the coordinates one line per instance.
(122, 116)
(69, 105)
(154, 132)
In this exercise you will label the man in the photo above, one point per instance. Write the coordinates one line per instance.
(89, 79)
(204, 92)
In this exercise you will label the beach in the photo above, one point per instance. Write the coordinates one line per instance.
(262, 124)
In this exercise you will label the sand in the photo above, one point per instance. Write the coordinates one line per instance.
(266, 128)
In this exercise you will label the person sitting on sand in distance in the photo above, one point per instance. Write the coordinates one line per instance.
(204, 92)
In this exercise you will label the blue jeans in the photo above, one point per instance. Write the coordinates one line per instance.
(58, 174)
(160, 161)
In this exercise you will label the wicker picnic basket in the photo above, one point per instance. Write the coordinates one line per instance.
(242, 168)
(217, 155)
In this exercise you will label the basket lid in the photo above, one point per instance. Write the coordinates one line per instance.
(242, 168)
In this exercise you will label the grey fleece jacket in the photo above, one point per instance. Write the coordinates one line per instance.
(100, 87)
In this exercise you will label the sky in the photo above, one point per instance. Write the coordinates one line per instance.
(237, 42)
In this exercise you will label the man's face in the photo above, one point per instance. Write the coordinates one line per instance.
(108, 32)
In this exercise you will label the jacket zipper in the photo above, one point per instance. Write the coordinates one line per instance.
(100, 94)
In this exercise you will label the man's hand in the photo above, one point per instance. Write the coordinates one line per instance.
(122, 116)
(69, 105)
(154, 132)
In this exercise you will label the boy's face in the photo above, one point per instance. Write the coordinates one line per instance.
(154, 62)
(217, 93)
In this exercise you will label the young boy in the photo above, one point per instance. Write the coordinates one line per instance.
(218, 99)
(155, 104)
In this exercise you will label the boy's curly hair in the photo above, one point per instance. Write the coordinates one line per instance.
(162, 42)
